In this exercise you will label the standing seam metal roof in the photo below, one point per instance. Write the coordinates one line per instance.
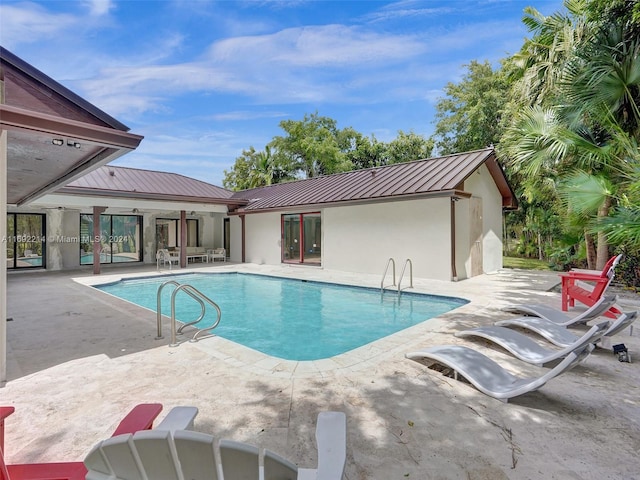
(111, 179)
(433, 175)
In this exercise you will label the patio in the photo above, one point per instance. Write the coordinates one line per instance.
(78, 360)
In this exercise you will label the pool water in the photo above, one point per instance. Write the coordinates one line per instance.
(289, 319)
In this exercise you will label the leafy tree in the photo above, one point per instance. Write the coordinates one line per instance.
(238, 178)
(582, 78)
(407, 147)
(367, 153)
(469, 116)
(313, 145)
(257, 169)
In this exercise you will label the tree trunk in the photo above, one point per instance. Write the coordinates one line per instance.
(591, 251)
(540, 247)
(603, 244)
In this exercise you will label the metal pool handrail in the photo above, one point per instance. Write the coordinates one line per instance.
(407, 261)
(393, 264)
(196, 295)
(159, 304)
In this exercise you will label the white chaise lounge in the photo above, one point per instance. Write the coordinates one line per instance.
(184, 454)
(560, 335)
(488, 376)
(557, 316)
(528, 350)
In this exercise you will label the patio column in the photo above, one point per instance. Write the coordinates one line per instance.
(3, 256)
(183, 239)
(97, 240)
(454, 272)
(243, 234)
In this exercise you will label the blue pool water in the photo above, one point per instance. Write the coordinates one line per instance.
(289, 319)
(87, 258)
(35, 261)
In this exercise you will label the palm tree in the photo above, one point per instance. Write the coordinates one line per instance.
(588, 134)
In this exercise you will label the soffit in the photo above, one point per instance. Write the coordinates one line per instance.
(35, 110)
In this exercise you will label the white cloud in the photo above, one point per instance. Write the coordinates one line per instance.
(316, 46)
(31, 23)
(98, 8)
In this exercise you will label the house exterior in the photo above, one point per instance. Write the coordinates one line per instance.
(443, 214)
(66, 208)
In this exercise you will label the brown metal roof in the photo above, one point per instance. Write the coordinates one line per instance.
(136, 183)
(434, 176)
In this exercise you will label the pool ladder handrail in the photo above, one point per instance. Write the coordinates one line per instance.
(196, 295)
(410, 263)
(391, 262)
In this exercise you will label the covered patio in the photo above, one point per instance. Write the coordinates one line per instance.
(49, 136)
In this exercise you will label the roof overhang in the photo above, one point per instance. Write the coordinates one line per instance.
(36, 166)
(91, 192)
(509, 201)
(455, 194)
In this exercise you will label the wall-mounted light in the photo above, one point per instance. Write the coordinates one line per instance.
(71, 143)
(57, 142)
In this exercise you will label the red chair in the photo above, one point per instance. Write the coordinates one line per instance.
(141, 417)
(574, 289)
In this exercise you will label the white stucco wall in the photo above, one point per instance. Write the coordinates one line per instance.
(481, 184)
(362, 238)
(463, 239)
(263, 233)
(236, 239)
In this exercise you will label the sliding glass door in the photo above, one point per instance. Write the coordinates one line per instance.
(301, 238)
(26, 247)
(120, 239)
(168, 229)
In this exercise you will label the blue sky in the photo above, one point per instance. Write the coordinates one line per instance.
(203, 80)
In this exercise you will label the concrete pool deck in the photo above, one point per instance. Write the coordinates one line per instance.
(78, 360)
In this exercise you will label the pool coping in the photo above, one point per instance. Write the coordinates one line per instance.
(366, 357)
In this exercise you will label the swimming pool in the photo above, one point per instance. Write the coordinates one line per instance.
(289, 319)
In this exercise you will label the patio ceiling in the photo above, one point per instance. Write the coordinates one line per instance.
(36, 165)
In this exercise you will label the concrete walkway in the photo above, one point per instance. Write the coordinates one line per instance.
(80, 359)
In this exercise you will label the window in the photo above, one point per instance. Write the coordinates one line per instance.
(120, 239)
(167, 233)
(26, 235)
(301, 238)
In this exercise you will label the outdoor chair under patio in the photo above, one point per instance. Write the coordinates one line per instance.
(191, 455)
(488, 376)
(560, 335)
(554, 315)
(165, 256)
(528, 350)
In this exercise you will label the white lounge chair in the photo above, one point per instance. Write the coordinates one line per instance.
(528, 350)
(163, 255)
(556, 316)
(183, 454)
(488, 376)
(560, 335)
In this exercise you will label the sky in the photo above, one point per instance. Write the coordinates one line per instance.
(203, 80)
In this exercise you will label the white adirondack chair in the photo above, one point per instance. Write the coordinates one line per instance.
(186, 455)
